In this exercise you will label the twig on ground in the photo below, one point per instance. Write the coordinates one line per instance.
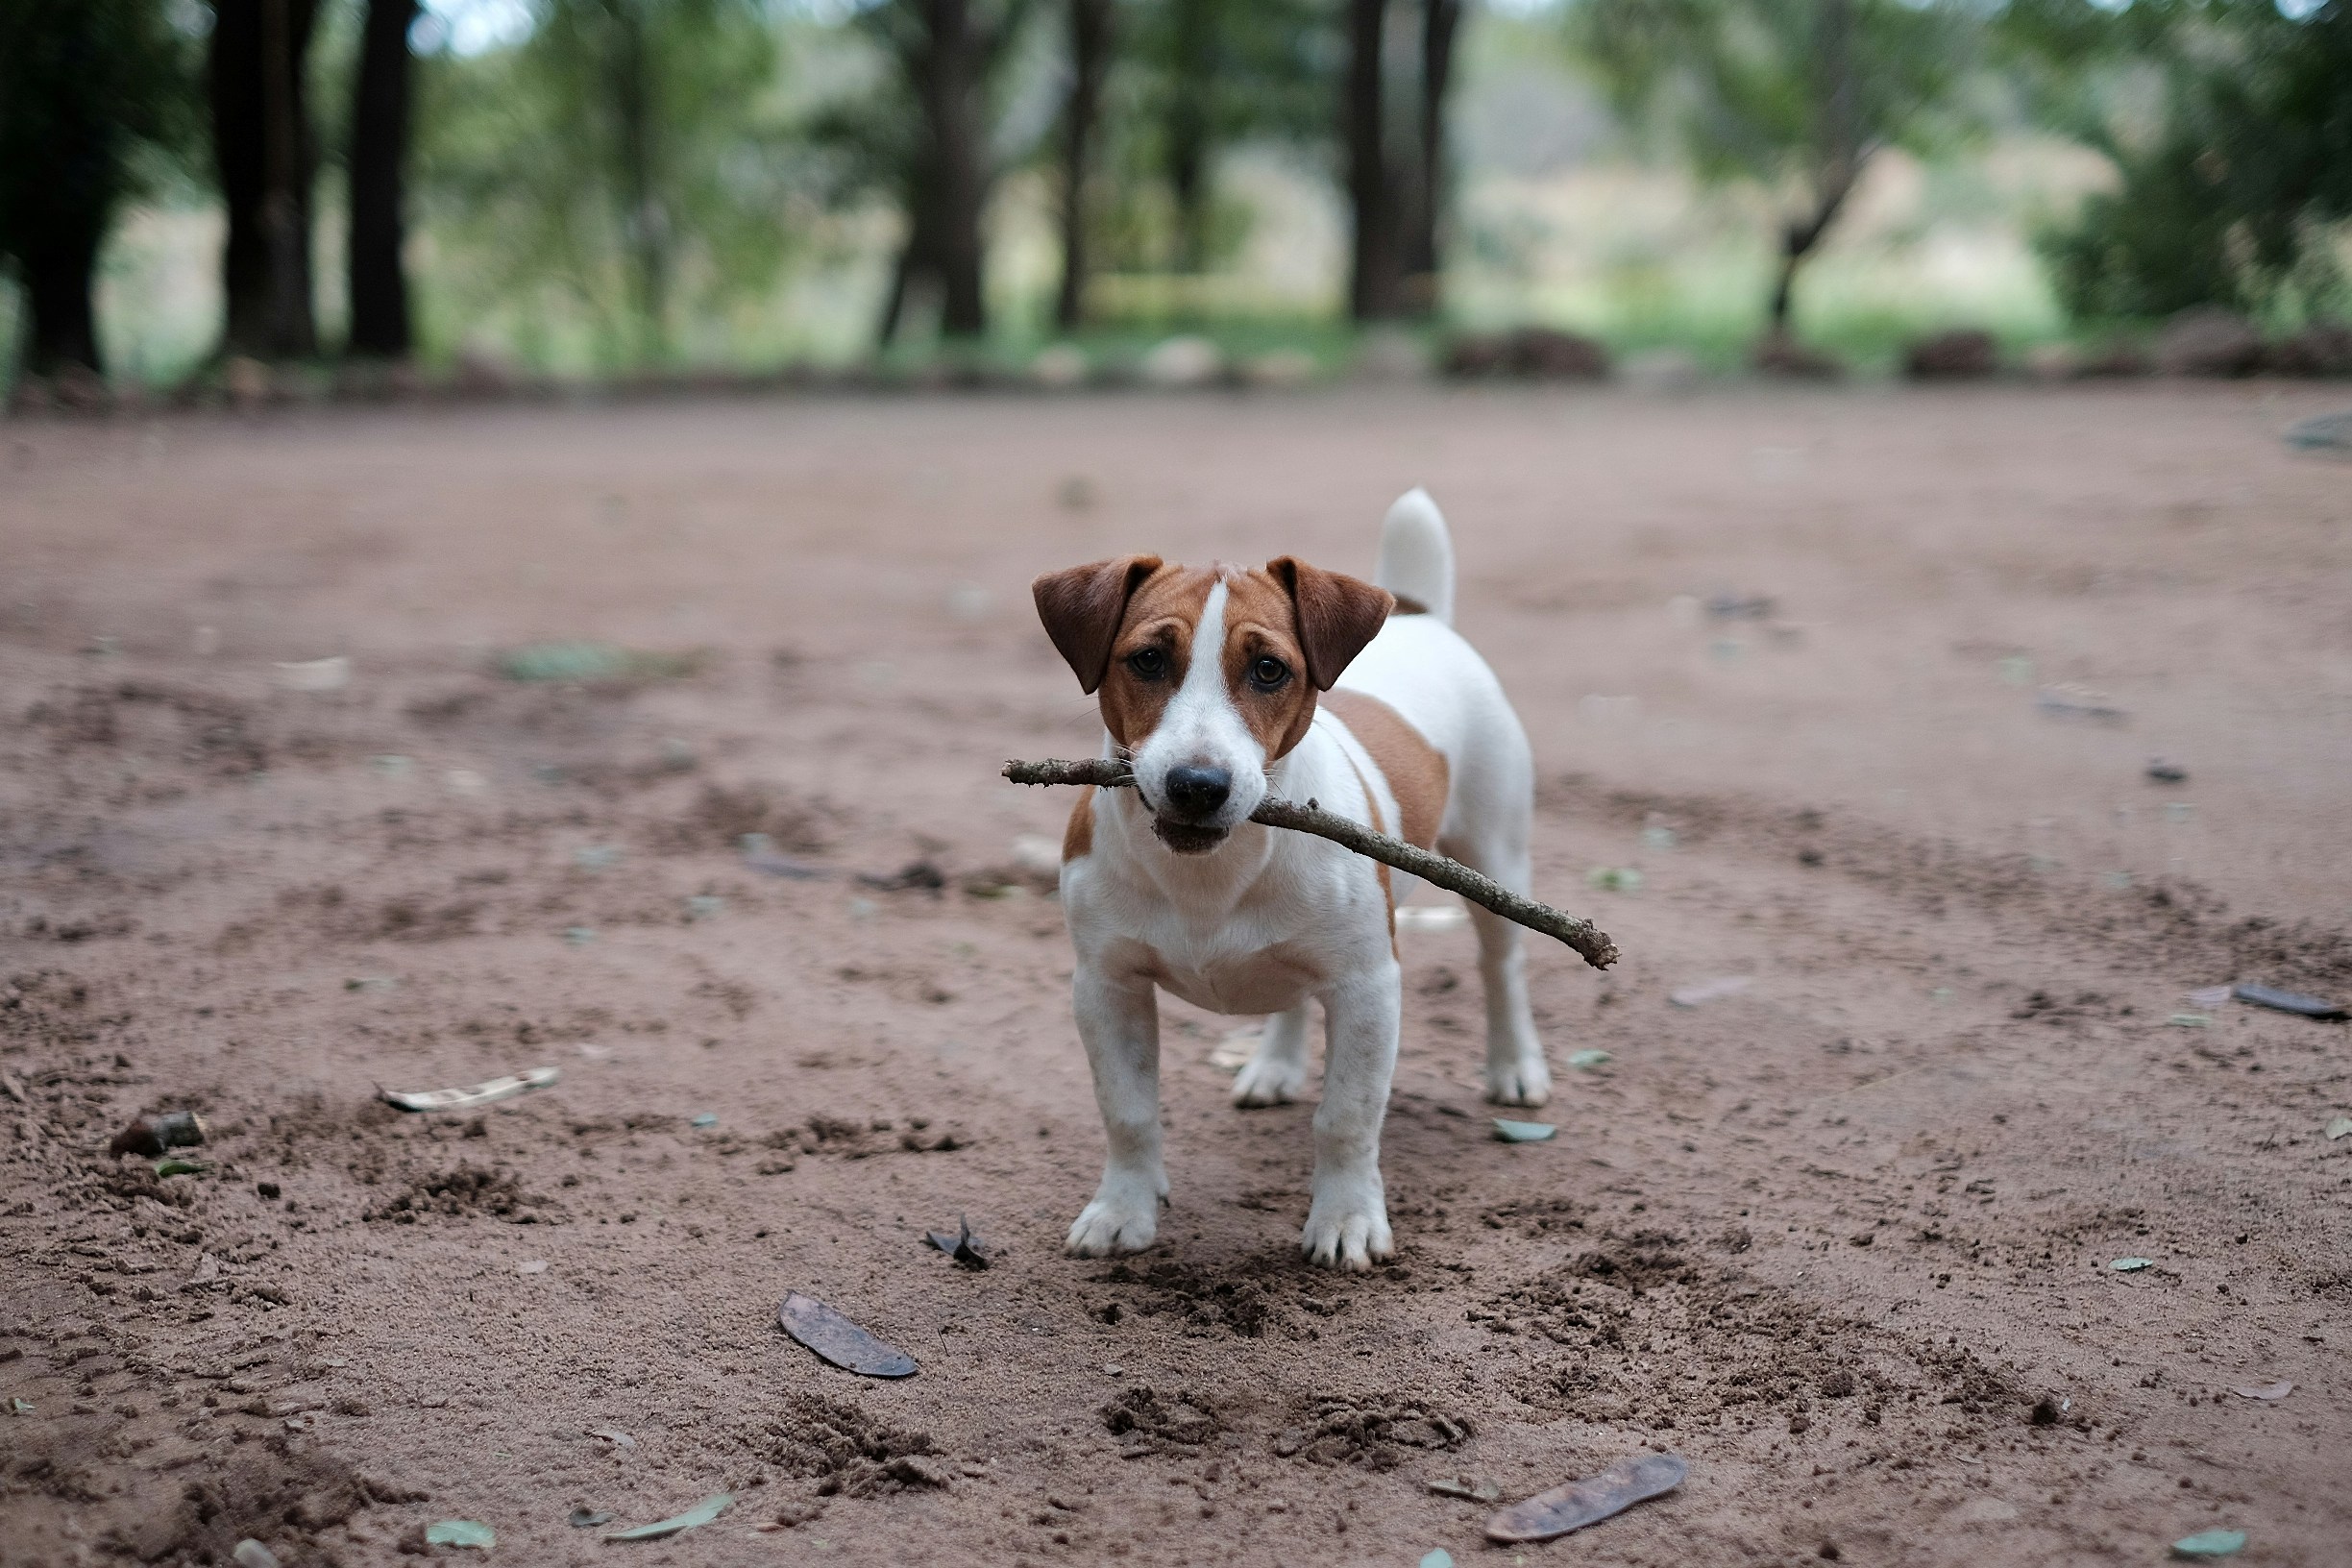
(1586, 938)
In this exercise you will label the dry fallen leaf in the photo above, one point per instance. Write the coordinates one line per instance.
(2267, 1391)
(1587, 1502)
(841, 1341)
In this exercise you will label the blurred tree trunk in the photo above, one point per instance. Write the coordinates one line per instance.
(57, 266)
(946, 54)
(261, 140)
(951, 103)
(1375, 278)
(1440, 19)
(914, 266)
(58, 178)
(1090, 47)
(1837, 160)
(645, 218)
(1194, 42)
(379, 161)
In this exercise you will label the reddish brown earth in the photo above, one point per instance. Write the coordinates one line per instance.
(1841, 1239)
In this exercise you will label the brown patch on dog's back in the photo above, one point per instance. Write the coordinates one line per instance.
(1416, 770)
(1078, 838)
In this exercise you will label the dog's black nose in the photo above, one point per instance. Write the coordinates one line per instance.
(1198, 792)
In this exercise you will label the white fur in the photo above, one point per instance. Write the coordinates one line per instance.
(1200, 727)
(1271, 919)
(1416, 558)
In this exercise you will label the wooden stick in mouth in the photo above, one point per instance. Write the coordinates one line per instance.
(1589, 940)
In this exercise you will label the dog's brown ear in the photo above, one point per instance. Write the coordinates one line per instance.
(1082, 608)
(1336, 615)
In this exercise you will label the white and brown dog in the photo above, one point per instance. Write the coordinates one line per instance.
(1221, 686)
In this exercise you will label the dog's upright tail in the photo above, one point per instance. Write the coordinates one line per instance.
(1416, 558)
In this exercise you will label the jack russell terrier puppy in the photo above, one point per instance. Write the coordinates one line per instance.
(1218, 687)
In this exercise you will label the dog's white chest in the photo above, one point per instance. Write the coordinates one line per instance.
(1267, 980)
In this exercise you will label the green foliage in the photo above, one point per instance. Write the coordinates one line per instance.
(2229, 198)
(1753, 90)
(629, 163)
(1195, 78)
(1796, 96)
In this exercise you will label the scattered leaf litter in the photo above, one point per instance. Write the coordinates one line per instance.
(465, 1099)
(151, 1136)
(1582, 1503)
(2211, 1543)
(1462, 1486)
(967, 1249)
(841, 1341)
(701, 1513)
(460, 1532)
(2289, 1001)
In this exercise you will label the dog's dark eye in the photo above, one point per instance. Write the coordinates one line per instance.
(1147, 663)
(1268, 674)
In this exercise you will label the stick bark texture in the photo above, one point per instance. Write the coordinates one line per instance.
(1588, 940)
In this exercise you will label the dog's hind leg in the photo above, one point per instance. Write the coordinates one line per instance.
(1276, 1069)
(1515, 1070)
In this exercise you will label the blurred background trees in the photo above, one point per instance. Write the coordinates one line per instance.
(598, 187)
(93, 96)
(2229, 124)
(1794, 96)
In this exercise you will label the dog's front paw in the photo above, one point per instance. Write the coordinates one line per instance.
(1349, 1233)
(1115, 1222)
(1524, 1082)
(1267, 1079)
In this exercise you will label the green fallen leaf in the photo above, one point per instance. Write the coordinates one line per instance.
(2190, 1021)
(2132, 1266)
(1523, 1132)
(174, 1165)
(2340, 1127)
(2211, 1543)
(1614, 878)
(1439, 1558)
(701, 1513)
(460, 1532)
(20, 1407)
(1588, 1060)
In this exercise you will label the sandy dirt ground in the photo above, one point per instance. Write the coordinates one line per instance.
(1841, 1237)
